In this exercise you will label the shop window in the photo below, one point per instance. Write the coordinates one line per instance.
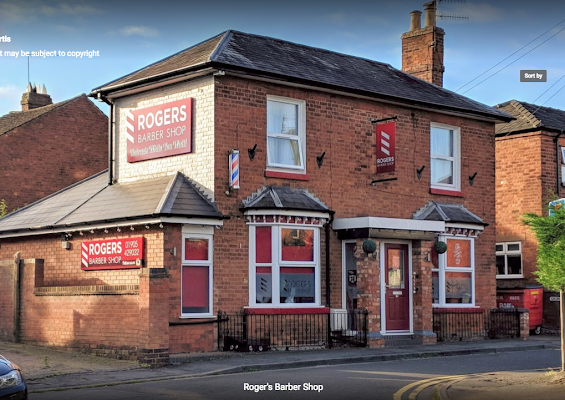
(453, 278)
(445, 158)
(197, 276)
(284, 265)
(509, 260)
(286, 134)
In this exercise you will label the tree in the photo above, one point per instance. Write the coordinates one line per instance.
(3, 208)
(550, 233)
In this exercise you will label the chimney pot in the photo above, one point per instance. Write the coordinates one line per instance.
(430, 8)
(32, 98)
(415, 20)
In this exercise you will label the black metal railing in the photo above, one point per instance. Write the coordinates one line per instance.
(349, 327)
(261, 332)
(476, 324)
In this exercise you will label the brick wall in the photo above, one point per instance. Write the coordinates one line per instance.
(525, 175)
(8, 301)
(339, 126)
(115, 313)
(53, 151)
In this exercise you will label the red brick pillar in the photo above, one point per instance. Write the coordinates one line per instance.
(369, 291)
(154, 317)
(422, 297)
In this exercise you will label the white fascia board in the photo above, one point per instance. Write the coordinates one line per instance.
(388, 223)
(121, 224)
(288, 213)
(475, 227)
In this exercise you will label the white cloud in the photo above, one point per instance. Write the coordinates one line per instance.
(65, 28)
(337, 17)
(139, 30)
(9, 91)
(16, 11)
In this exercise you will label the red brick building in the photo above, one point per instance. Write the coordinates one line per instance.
(251, 173)
(529, 175)
(46, 147)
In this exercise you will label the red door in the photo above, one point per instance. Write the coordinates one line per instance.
(397, 287)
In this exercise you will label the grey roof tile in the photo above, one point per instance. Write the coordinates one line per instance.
(94, 201)
(264, 56)
(529, 117)
(280, 197)
(447, 212)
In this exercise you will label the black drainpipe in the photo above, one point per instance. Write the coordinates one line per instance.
(557, 163)
(110, 139)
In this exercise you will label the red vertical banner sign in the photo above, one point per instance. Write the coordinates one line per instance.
(386, 144)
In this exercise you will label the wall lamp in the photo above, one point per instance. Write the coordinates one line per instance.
(251, 152)
(65, 244)
(472, 179)
(320, 159)
(419, 172)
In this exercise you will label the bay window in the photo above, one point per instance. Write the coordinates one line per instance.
(284, 265)
(453, 278)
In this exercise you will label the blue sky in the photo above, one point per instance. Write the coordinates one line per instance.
(131, 35)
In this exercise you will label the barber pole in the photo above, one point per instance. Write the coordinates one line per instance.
(234, 169)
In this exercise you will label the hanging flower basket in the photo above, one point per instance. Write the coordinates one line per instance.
(369, 246)
(440, 247)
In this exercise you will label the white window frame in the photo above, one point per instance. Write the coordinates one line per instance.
(200, 263)
(277, 262)
(300, 137)
(456, 158)
(442, 269)
(505, 252)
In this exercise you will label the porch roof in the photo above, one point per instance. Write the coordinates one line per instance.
(398, 228)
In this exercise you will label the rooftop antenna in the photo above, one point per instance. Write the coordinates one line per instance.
(28, 69)
(451, 17)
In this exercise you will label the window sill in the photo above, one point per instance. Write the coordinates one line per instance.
(288, 311)
(287, 175)
(509, 276)
(464, 308)
(444, 192)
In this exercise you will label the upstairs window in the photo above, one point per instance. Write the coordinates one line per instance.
(509, 260)
(445, 157)
(286, 134)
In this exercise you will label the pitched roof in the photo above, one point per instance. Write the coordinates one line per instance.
(529, 117)
(93, 201)
(286, 61)
(447, 212)
(16, 119)
(280, 197)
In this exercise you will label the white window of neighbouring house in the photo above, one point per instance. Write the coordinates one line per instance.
(284, 265)
(509, 260)
(453, 278)
(445, 157)
(197, 275)
(286, 134)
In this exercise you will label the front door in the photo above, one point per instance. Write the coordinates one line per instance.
(397, 287)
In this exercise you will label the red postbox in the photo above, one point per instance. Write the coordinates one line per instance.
(531, 298)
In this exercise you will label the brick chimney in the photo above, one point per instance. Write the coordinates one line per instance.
(422, 48)
(33, 99)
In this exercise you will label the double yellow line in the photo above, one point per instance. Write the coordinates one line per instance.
(419, 385)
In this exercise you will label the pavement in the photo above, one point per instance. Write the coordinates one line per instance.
(49, 369)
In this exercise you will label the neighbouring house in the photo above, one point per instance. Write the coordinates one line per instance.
(261, 179)
(530, 172)
(46, 147)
